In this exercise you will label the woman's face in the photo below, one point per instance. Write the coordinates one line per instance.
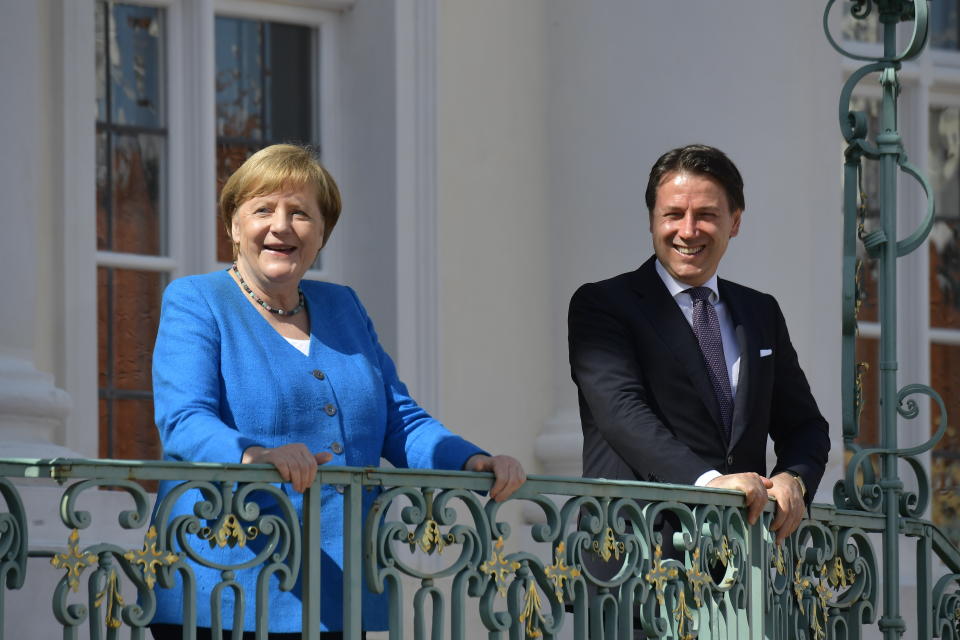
(278, 235)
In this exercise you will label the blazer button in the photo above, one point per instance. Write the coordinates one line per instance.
(337, 448)
(730, 461)
(330, 409)
(319, 375)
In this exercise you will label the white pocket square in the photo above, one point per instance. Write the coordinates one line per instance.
(766, 352)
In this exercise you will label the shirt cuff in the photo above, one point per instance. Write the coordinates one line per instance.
(706, 477)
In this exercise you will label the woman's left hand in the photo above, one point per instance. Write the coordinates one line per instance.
(507, 471)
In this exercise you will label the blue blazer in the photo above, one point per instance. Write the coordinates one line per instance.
(225, 380)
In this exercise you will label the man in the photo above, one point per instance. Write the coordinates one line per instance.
(683, 376)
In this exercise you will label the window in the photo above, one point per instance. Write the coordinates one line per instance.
(131, 220)
(264, 84)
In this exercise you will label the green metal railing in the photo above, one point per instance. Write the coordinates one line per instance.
(715, 577)
(597, 562)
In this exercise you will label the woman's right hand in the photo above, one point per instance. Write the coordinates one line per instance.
(296, 464)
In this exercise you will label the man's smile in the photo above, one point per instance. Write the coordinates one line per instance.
(688, 251)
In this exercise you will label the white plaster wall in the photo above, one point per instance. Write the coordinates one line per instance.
(364, 237)
(494, 261)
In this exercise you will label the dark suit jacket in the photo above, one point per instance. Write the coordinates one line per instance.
(646, 404)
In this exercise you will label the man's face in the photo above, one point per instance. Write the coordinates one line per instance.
(691, 225)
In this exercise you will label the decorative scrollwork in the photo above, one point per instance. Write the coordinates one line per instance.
(859, 489)
(916, 11)
(946, 607)
(104, 582)
(861, 8)
(833, 582)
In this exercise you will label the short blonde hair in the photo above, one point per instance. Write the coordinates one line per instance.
(273, 168)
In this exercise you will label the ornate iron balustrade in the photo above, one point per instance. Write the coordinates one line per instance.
(441, 550)
(863, 488)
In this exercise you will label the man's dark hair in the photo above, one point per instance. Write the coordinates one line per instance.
(701, 160)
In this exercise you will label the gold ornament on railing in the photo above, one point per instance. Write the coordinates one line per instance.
(559, 571)
(610, 548)
(697, 579)
(800, 583)
(499, 567)
(428, 537)
(230, 533)
(660, 574)
(150, 558)
(724, 553)
(779, 561)
(114, 601)
(824, 595)
(683, 616)
(840, 576)
(531, 616)
(73, 560)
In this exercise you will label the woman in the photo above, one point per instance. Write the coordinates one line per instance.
(255, 365)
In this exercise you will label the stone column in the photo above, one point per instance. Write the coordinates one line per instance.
(32, 408)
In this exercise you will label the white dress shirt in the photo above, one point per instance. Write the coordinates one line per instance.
(731, 348)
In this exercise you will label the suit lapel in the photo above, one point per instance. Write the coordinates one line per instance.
(746, 332)
(665, 316)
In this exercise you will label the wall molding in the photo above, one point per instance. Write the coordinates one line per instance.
(418, 308)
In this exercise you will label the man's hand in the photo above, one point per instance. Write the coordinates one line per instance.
(508, 473)
(296, 464)
(753, 485)
(790, 505)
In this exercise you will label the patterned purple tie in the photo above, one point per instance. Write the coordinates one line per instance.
(707, 329)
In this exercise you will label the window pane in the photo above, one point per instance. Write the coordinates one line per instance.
(945, 378)
(136, 71)
(131, 157)
(944, 249)
(128, 306)
(240, 78)
(100, 39)
(868, 352)
(131, 138)
(104, 217)
(944, 25)
(137, 178)
(289, 80)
